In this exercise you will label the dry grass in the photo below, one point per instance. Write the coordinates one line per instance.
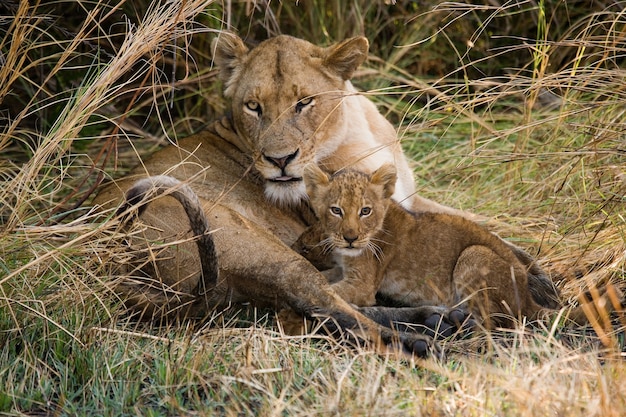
(527, 130)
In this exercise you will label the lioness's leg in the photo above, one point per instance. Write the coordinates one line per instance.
(275, 274)
(436, 321)
(256, 266)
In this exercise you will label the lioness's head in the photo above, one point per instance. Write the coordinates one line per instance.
(350, 205)
(286, 97)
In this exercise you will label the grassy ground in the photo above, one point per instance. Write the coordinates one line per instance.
(512, 110)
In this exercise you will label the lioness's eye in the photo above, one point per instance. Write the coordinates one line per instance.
(336, 211)
(365, 211)
(253, 107)
(303, 103)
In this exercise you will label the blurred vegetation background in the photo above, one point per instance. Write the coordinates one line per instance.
(473, 55)
(511, 109)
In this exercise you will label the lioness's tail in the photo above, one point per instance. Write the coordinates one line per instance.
(140, 193)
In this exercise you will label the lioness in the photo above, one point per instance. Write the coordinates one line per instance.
(414, 258)
(291, 104)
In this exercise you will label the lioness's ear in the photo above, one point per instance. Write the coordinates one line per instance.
(345, 57)
(228, 53)
(385, 176)
(314, 179)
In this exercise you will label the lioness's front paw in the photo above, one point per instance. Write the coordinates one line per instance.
(449, 323)
(421, 346)
(434, 321)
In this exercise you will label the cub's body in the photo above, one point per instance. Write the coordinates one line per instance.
(411, 258)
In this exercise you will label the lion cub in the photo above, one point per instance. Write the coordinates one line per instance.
(413, 258)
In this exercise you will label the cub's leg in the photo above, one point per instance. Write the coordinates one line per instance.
(356, 283)
(359, 286)
(495, 289)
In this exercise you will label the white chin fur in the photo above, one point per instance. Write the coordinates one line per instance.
(349, 252)
(285, 194)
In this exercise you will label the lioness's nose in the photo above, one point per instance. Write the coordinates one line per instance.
(281, 161)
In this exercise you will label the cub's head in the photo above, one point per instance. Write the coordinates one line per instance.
(350, 205)
(286, 96)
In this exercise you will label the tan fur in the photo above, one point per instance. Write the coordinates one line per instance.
(412, 258)
(292, 104)
(337, 128)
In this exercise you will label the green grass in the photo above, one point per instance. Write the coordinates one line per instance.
(463, 83)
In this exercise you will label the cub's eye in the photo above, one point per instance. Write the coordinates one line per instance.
(303, 103)
(253, 107)
(365, 211)
(336, 211)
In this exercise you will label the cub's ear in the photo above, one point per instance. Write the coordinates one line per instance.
(345, 57)
(314, 179)
(386, 177)
(229, 52)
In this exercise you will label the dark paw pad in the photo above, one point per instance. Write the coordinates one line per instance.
(433, 321)
(455, 322)
(463, 321)
(420, 348)
(416, 345)
(458, 317)
(438, 327)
